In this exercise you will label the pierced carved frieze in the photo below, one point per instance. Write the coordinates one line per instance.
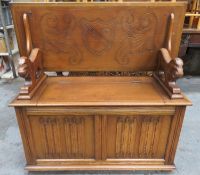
(97, 35)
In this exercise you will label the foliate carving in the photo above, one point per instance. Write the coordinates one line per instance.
(140, 30)
(134, 23)
(97, 35)
(57, 25)
(56, 32)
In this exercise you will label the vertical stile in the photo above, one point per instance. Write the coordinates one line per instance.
(192, 11)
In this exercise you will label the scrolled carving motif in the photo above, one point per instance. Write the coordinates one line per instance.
(139, 30)
(56, 36)
(133, 23)
(57, 26)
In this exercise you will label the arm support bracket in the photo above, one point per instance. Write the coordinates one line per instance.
(168, 71)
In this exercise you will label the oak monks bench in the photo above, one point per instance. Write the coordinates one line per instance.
(99, 122)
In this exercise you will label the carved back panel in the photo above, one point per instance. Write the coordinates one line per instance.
(99, 36)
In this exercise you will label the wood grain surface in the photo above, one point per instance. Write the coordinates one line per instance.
(100, 91)
(99, 36)
(100, 123)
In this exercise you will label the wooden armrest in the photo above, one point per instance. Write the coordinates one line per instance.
(168, 71)
(30, 68)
